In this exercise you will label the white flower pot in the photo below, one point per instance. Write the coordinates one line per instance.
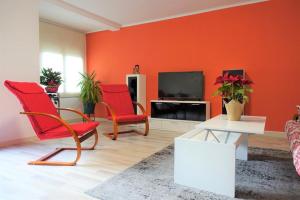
(234, 110)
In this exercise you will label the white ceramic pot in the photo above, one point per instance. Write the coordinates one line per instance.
(234, 110)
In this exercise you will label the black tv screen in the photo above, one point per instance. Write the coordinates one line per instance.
(180, 85)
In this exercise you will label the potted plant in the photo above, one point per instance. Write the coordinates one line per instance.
(234, 90)
(89, 92)
(51, 79)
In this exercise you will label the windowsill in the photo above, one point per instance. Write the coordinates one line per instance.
(69, 95)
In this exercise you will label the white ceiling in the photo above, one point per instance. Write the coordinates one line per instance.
(95, 15)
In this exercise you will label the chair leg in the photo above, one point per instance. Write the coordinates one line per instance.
(115, 131)
(78, 149)
(96, 141)
(43, 160)
(86, 148)
(146, 127)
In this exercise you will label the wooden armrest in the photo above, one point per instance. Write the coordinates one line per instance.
(110, 110)
(64, 123)
(141, 107)
(77, 112)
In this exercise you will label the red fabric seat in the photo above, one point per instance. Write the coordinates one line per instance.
(118, 97)
(129, 118)
(34, 99)
(60, 132)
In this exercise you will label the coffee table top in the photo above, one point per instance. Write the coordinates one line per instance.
(247, 124)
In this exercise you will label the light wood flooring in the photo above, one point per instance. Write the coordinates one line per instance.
(21, 181)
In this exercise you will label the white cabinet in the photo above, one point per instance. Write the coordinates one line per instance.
(137, 87)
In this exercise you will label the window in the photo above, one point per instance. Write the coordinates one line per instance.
(63, 50)
(69, 66)
(74, 66)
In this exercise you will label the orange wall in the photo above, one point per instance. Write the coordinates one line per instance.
(262, 38)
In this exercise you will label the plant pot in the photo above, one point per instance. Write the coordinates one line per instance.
(89, 108)
(234, 110)
(52, 88)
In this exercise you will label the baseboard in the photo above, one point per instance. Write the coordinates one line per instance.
(184, 126)
(74, 120)
(30, 139)
(278, 134)
(18, 141)
(101, 119)
(109, 122)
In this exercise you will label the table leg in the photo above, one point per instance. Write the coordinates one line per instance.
(242, 150)
(207, 132)
(227, 136)
(214, 136)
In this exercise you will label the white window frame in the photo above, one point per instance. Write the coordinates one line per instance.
(63, 93)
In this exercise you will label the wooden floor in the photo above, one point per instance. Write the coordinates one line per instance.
(21, 181)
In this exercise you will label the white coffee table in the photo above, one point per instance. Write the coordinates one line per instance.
(205, 157)
(202, 162)
(247, 125)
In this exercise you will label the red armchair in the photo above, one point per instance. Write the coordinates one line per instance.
(48, 124)
(117, 100)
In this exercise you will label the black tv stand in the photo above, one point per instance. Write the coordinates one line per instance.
(180, 110)
(175, 99)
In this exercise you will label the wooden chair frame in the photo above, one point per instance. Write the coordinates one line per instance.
(78, 140)
(116, 132)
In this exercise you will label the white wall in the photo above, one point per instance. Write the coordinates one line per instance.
(64, 41)
(19, 60)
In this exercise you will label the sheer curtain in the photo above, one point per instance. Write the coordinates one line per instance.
(63, 50)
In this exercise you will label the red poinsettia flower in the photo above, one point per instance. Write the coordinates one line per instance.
(226, 78)
(233, 87)
(230, 78)
(219, 80)
(234, 79)
(247, 82)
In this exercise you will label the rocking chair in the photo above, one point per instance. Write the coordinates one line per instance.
(48, 124)
(117, 100)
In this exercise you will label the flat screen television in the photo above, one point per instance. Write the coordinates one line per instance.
(181, 85)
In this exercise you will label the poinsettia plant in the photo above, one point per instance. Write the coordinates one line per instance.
(233, 87)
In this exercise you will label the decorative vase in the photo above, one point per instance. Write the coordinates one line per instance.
(234, 110)
(52, 88)
(136, 69)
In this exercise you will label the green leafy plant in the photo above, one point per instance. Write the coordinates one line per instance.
(233, 87)
(49, 77)
(89, 88)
